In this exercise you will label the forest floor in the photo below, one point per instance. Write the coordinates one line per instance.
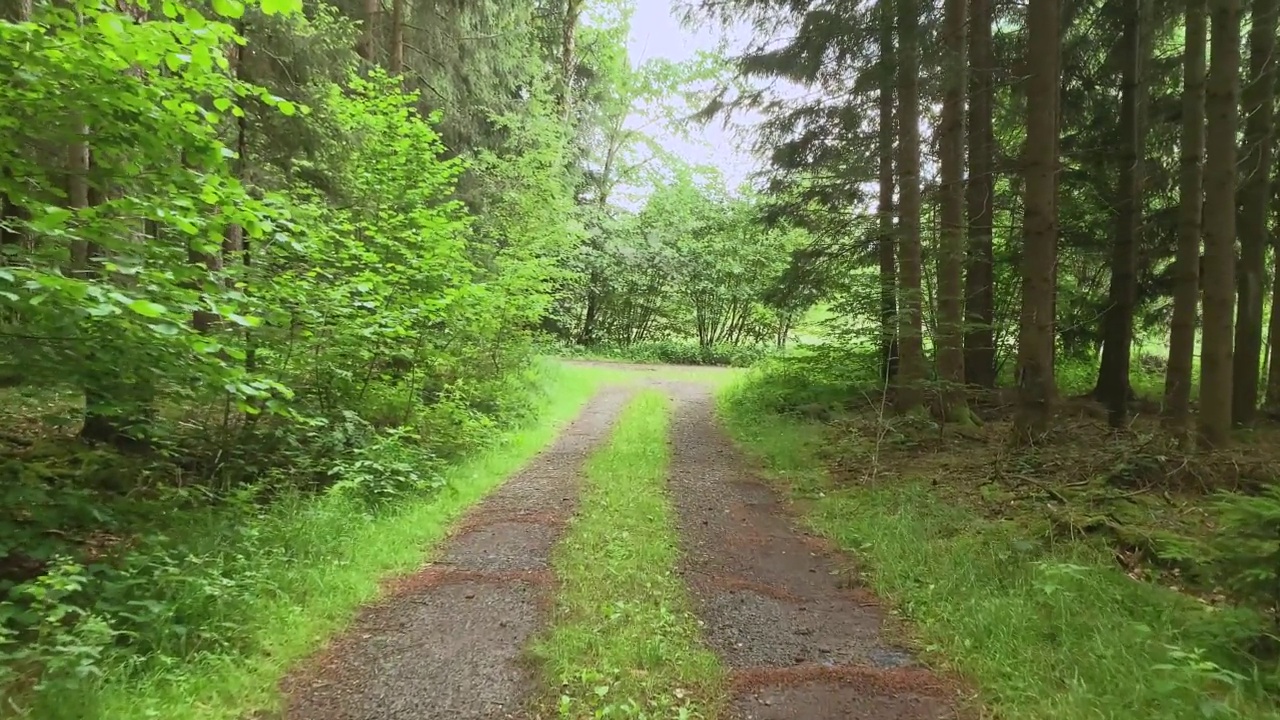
(665, 578)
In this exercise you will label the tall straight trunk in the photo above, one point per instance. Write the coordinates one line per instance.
(367, 47)
(1186, 269)
(1222, 93)
(884, 209)
(1040, 224)
(1255, 200)
(1273, 332)
(568, 59)
(951, 214)
(909, 390)
(1113, 375)
(396, 64)
(979, 308)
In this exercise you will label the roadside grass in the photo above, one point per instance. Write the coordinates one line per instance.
(1045, 628)
(624, 643)
(329, 555)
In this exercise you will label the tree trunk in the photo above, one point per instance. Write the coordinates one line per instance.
(951, 235)
(885, 244)
(1221, 96)
(979, 309)
(909, 391)
(1035, 374)
(396, 64)
(1255, 201)
(368, 45)
(1186, 269)
(1113, 376)
(568, 60)
(1273, 332)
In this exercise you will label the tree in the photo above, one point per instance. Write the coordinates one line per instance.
(1255, 200)
(1035, 372)
(951, 242)
(368, 46)
(1113, 374)
(568, 58)
(1221, 98)
(1178, 375)
(911, 366)
(979, 308)
(885, 246)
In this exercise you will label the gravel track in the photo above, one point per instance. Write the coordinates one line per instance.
(775, 601)
(447, 643)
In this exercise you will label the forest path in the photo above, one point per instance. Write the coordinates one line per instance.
(801, 642)
(447, 643)
(801, 639)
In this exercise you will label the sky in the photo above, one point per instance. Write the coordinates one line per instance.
(656, 32)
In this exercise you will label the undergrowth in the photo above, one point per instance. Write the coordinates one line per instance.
(671, 352)
(984, 549)
(200, 616)
(624, 643)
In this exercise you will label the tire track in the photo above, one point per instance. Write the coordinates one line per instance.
(448, 642)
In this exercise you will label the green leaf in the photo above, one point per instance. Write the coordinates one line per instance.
(110, 24)
(287, 107)
(272, 7)
(168, 329)
(244, 320)
(228, 8)
(221, 104)
(146, 308)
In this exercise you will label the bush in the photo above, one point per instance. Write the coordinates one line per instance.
(672, 352)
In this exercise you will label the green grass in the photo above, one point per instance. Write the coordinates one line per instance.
(332, 554)
(1043, 629)
(624, 643)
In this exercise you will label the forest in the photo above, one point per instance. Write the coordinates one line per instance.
(286, 288)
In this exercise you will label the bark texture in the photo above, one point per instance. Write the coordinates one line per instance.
(911, 368)
(885, 244)
(1040, 224)
(1113, 374)
(1186, 294)
(951, 242)
(1221, 108)
(979, 309)
(1255, 201)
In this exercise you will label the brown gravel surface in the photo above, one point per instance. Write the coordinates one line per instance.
(774, 601)
(447, 642)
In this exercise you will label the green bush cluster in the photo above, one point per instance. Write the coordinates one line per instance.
(265, 299)
(673, 352)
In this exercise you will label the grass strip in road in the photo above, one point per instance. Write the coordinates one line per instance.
(332, 556)
(624, 643)
(1045, 629)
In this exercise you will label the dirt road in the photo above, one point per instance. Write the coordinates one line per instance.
(800, 640)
